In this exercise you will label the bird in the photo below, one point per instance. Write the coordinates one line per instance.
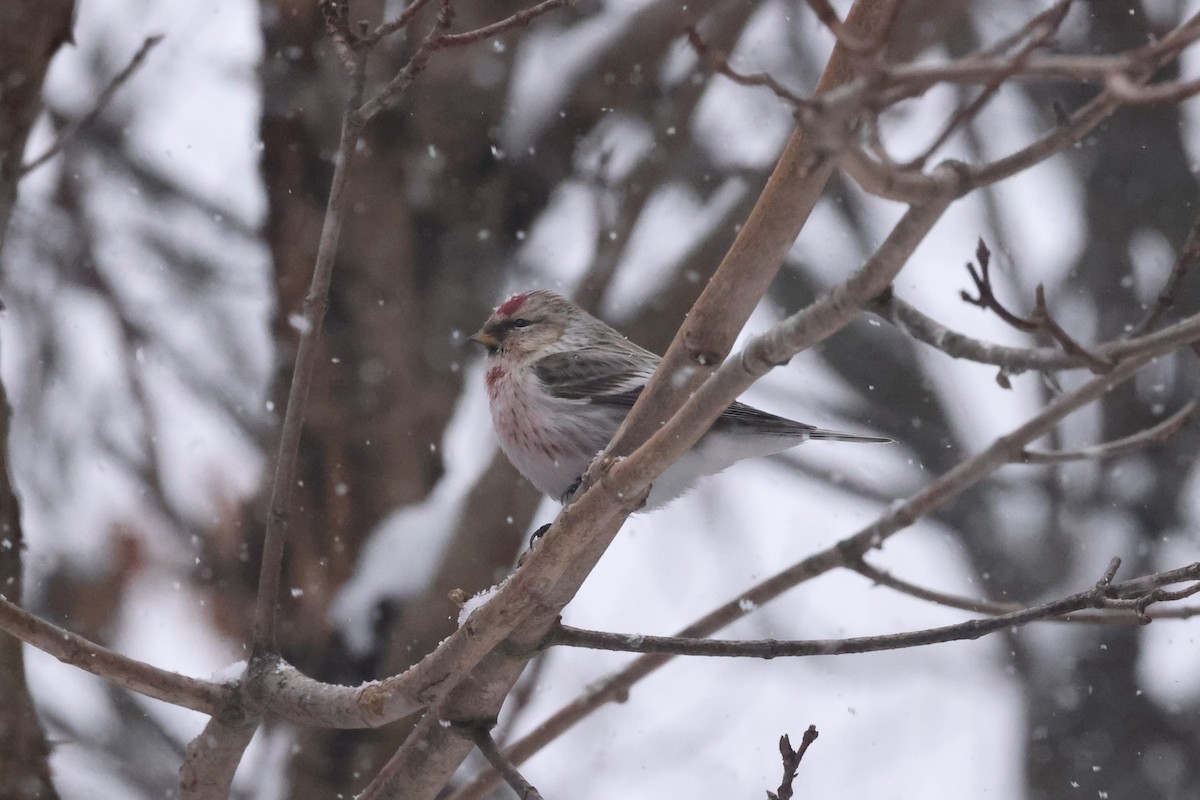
(560, 382)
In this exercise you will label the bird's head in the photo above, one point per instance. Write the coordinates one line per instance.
(527, 325)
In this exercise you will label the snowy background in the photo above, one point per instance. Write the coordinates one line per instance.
(149, 283)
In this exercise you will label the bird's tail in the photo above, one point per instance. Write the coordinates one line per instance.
(837, 436)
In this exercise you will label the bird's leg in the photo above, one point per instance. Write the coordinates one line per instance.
(534, 538)
(538, 534)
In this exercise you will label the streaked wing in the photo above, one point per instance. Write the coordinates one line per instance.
(744, 417)
(601, 376)
(616, 378)
(740, 415)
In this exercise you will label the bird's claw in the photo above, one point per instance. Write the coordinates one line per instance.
(538, 534)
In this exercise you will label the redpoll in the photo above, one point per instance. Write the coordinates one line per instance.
(561, 381)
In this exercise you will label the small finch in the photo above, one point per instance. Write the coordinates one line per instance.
(561, 381)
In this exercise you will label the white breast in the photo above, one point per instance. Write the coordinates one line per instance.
(549, 440)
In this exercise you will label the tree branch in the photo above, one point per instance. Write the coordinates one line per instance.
(1150, 436)
(962, 477)
(487, 746)
(791, 762)
(1013, 360)
(128, 673)
(1134, 595)
(118, 80)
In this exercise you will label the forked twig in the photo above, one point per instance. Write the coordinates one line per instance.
(1041, 320)
(791, 762)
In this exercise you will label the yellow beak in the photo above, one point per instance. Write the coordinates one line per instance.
(486, 339)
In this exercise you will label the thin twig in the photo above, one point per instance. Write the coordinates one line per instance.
(791, 762)
(883, 578)
(1104, 594)
(1052, 17)
(1051, 20)
(978, 606)
(719, 62)
(1045, 320)
(315, 303)
(119, 80)
(830, 19)
(1041, 320)
(517, 20)
(1150, 436)
(1014, 360)
(941, 491)
(512, 776)
(1132, 93)
(986, 298)
(402, 21)
(1185, 261)
(389, 94)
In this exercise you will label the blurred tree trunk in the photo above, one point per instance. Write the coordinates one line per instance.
(434, 211)
(1094, 713)
(31, 31)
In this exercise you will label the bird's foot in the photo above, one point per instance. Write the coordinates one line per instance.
(568, 496)
(538, 534)
(534, 538)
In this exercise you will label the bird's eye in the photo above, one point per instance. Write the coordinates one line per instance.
(521, 323)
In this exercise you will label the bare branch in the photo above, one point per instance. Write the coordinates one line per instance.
(708, 332)
(119, 80)
(986, 299)
(954, 482)
(1151, 436)
(402, 21)
(1185, 261)
(1041, 320)
(315, 303)
(437, 38)
(128, 673)
(487, 746)
(990, 607)
(517, 20)
(212, 757)
(1019, 359)
(876, 575)
(415, 65)
(1136, 67)
(1103, 595)
(291, 694)
(1130, 93)
(844, 36)
(719, 62)
(791, 762)
(1049, 21)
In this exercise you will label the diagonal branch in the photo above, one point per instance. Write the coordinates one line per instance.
(315, 303)
(962, 477)
(512, 776)
(118, 80)
(1156, 434)
(1049, 21)
(1104, 595)
(128, 673)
